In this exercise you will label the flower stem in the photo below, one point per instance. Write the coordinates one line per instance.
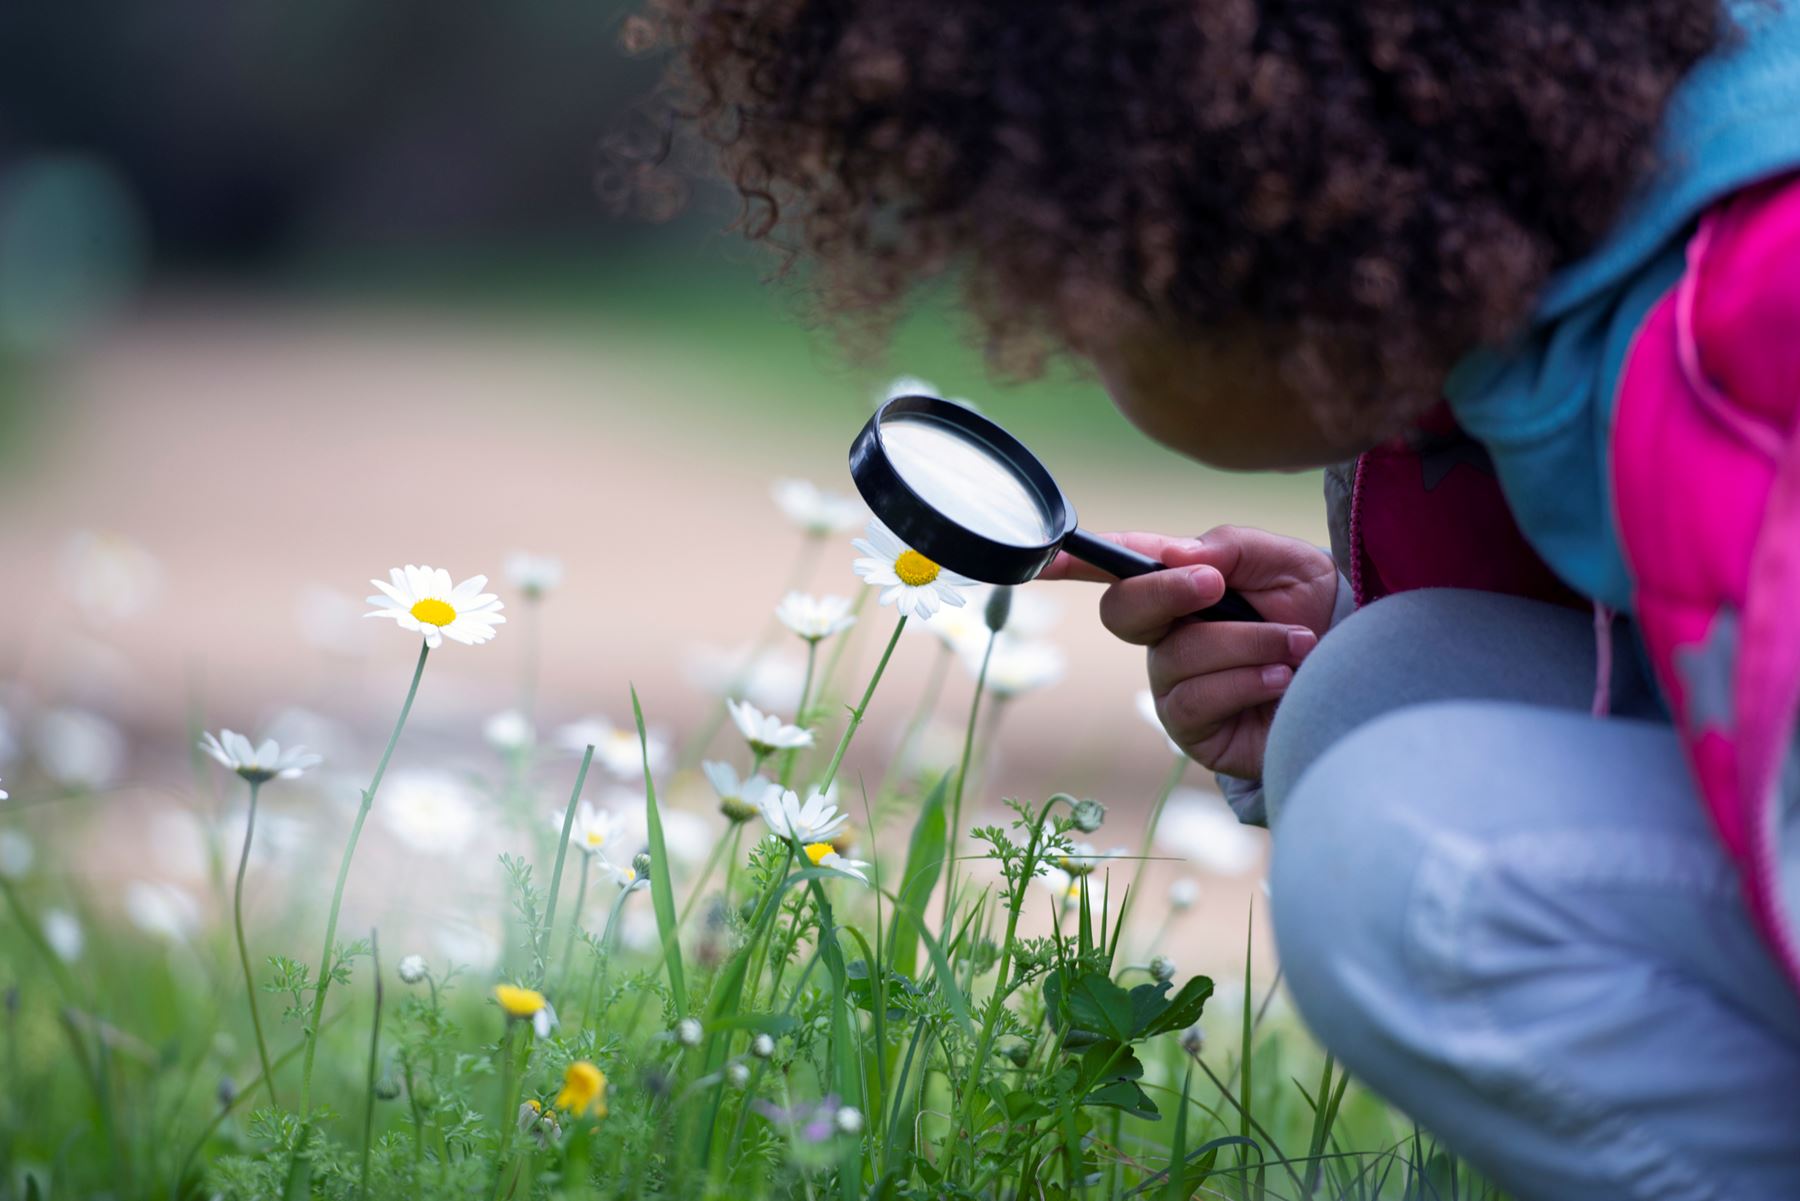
(962, 775)
(787, 759)
(237, 914)
(1176, 771)
(562, 852)
(337, 895)
(856, 715)
(374, 1059)
(568, 955)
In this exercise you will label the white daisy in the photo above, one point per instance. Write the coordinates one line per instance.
(1146, 707)
(593, 829)
(739, 800)
(532, 574)
(910, 581)
(1067, 887)
(1017, 666)
(765, 732)
(429, 810)
(508, 730)
(62, 930)
(162, 910)
(823, 854)
(4, 794)
(616, 748)
(814, 617)
(110, 577)
(623, 877)
(1202, 827)
(425, 600)
(814, 510)
(960, 629)
(79, 749)
(16, 854)
(257, 763)
(818, 820)
(1082, 858)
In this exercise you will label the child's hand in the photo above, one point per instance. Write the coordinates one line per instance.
(1216, 683)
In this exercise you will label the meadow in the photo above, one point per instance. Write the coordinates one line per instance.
(886, 983)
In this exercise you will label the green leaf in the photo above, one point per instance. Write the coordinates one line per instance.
(924, 864)
(1125, 1095)
(1147, 1003)
(1183, 1009)
(1022, 1106)
(32, 1192)
(1178, 1146)
(774, 1024)
(1098, 1004)
(662, 896)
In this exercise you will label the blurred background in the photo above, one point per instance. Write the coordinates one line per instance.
(294, 293)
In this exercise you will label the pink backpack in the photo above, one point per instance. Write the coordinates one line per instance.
(1706, 483)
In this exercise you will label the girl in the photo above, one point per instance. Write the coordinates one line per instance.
(1534, 786)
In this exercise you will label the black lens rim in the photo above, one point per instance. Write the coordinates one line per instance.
(921, 526)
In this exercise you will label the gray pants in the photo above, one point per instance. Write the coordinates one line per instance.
(1513, 920)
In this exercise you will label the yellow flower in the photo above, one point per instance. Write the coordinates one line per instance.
(583, 1091)
(519, 1002)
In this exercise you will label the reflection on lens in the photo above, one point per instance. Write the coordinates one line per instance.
(965, 481)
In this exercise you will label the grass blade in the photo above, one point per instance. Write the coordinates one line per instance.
(662, 896)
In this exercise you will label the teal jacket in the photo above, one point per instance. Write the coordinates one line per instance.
(1543, 405)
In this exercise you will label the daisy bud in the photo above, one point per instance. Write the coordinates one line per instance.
(387, 1087)
(1183, 894)
(849, 1120)
(227, 1092)
(762, 1046)
(412, 969)
(688, 1032)
(738, 1075)
(1019, 1054)
(1193, 1040)
(1162, 969)
(999, 608)
(1089, 815)
(640, 865)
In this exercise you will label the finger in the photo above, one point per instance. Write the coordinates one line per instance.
(1142, 609)
(1250, 559)
(1195, 708)
(1202, 648)
(1161, 547)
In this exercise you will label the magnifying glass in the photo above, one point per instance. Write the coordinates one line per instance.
(965, 493)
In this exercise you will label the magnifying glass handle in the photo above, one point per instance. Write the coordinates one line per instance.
(1124, 563)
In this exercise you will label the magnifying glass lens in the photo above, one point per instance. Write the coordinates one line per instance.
(966, 481)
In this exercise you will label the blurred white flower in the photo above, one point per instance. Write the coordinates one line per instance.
(1202, 827)
(814, 510)
(330, 738)
(739, 800)
(1083, 859)
(430, 810)
(1146, 707)
(62, 930)
(1066, 887)
(509, 730)
(257, 763)
(1016, 665)
(962, 629)
(331, 621)
(412, 969)
(1184, 893)
(16, 854)
(848, 1120)
(765, 732)
(818, 820)
(467, 945)
(771, 681)
(823, 854)
(4, 795)
(423, 599)
(912, 385)
(161, 909)
(110, 578)
(79, 749)
(909, 581)
(592, 829)
(621, 875)
(814, 617)
(534, 575)
(616, 748)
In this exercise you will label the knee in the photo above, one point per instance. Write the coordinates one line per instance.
(1343, 682)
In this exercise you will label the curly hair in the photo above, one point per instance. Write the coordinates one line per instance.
(1382, 183)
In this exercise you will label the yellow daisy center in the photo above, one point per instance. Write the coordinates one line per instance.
(914, 569)
(816, 851)
(596, 837)
(518, 1002)
(434, 612)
